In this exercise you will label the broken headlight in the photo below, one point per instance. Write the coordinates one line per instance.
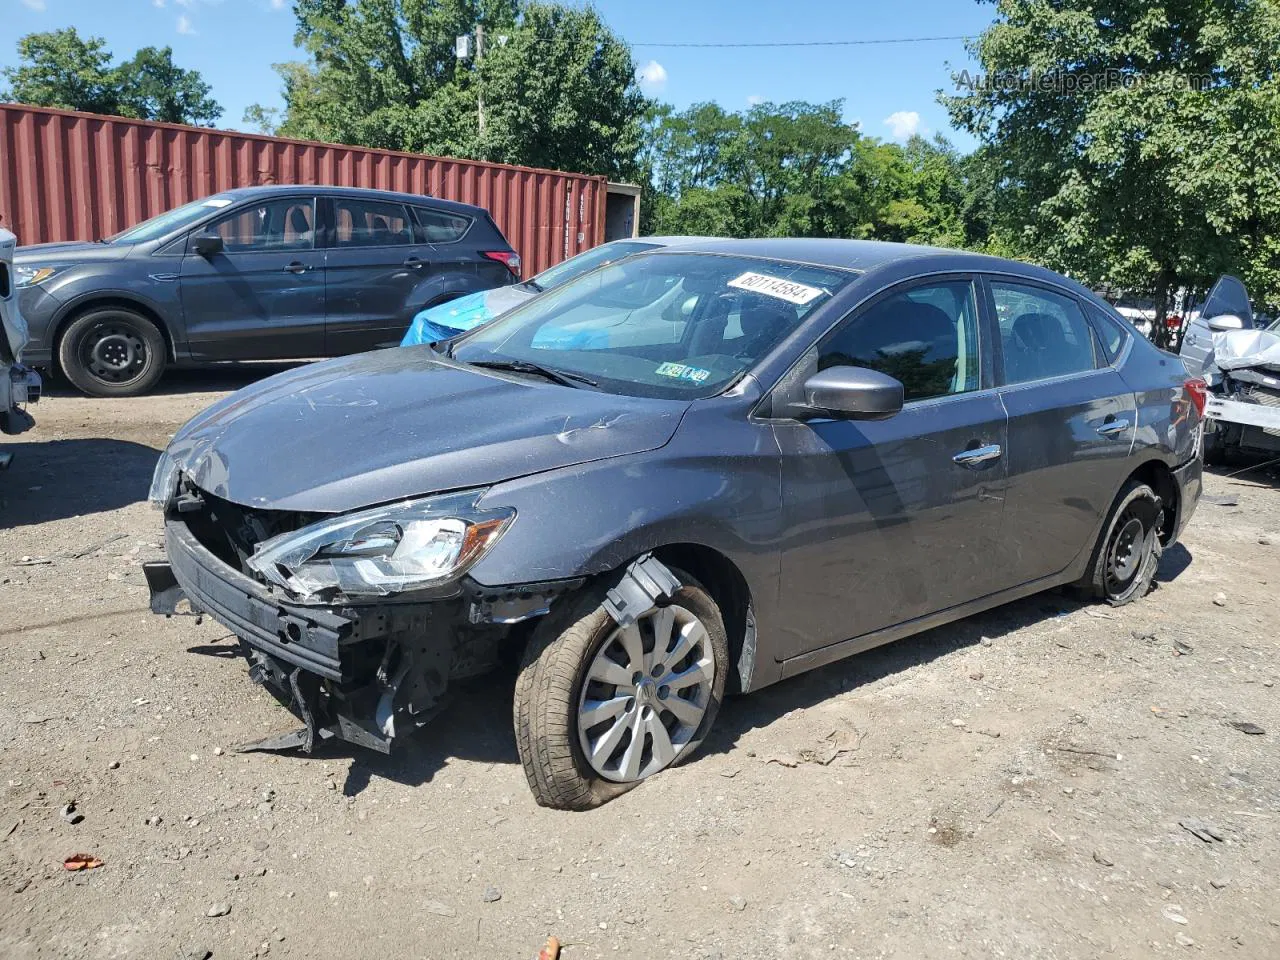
(392, 549)
(164, 481)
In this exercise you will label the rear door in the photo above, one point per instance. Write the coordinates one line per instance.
(262, 297)
(1072, 422)
(373, 261)
(893, 520)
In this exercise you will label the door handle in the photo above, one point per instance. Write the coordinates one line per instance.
(978, 455)
(1114, 428)
(412, 262)
(297, 266)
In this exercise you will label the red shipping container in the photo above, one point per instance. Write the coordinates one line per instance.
(80, 176)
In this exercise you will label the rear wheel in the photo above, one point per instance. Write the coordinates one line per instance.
(600, 707)
(112, 352)
(1128, 551)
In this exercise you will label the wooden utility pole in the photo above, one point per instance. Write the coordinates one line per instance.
(479, 92)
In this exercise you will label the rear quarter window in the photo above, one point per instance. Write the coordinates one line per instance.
(437, 226)
(1113, 333)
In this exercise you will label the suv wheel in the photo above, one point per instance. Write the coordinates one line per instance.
(112, 352)
(600, 707)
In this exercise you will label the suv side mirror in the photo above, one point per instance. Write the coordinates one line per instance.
(1225, 322)
(853, 393)
(206, 244)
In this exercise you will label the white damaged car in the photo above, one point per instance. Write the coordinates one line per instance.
(19, 386)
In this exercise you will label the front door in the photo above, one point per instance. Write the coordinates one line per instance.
(373, 262)
(262, 297)
(1072, 424)
(896, 519)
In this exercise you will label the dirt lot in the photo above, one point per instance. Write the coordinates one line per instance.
(1016, 785)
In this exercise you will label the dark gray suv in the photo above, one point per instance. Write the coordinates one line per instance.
(261, 273)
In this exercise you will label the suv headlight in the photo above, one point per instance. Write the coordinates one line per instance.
(392, 549)
(26, 276)
(164, 481)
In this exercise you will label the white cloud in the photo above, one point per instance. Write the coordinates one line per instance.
(754, 100)
(652, 77)
(36, 5)
(158, 3)
(279, 4)
(184, 25)
(903, 124)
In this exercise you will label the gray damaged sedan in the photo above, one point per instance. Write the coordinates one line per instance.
(687, 473)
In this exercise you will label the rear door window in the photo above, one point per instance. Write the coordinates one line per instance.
(370, 223)
(1043, 334)
(439, 226)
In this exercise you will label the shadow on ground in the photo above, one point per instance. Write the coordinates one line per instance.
(57, 479)
(213, 378)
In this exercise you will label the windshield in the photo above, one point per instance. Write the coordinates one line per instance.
(586, 262)
(676, 326)
(171, 220)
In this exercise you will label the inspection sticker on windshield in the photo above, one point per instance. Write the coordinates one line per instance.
(682, 372)
(775, 287)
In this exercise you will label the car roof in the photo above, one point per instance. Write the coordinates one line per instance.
(866, 255)
(329, 190)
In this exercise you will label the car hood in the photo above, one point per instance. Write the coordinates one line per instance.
(464, 313)
(376, 427)
(79, 252)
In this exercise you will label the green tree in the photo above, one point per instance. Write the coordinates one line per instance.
(152, 87)
(558, 87)
(62, 69)
(1134, 144)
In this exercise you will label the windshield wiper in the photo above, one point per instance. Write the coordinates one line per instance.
(562, 377)
(533, 285)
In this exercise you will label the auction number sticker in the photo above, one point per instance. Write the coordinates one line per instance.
(682, 372)
(786, 290)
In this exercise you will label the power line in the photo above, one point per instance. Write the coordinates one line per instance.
(808, 43)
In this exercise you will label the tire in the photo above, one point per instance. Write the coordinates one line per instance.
(112, 352)
(556, 685)
(1125, 558)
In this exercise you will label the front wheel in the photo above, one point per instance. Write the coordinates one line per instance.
(600, 707)
(1128, 551)
(112, 352)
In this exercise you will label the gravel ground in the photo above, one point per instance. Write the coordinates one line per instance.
(1021, 784)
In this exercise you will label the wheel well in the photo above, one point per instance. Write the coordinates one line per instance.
(728, 588)
(81, 309)
(1159, 478)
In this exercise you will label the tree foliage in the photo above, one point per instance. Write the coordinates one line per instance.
(1134, 143)
(62, 69)
(558, 87)
(797, 169)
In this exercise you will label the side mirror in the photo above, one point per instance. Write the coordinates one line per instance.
(1225, 322)
(854, 393)
(206, 244)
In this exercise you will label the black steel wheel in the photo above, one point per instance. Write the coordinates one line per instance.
(1127, 554)
(112, 352)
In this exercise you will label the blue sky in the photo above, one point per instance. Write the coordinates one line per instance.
(889, 89)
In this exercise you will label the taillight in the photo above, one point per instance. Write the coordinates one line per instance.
(508, 258)
(1173, 322)
(1197, 392)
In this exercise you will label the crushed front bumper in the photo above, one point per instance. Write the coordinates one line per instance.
(365, 673)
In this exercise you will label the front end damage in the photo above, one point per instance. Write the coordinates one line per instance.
(367, 670)
(1244, 406)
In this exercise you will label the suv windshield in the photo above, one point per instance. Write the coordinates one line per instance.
(671, 325)
(585, 262)
(170, 220)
